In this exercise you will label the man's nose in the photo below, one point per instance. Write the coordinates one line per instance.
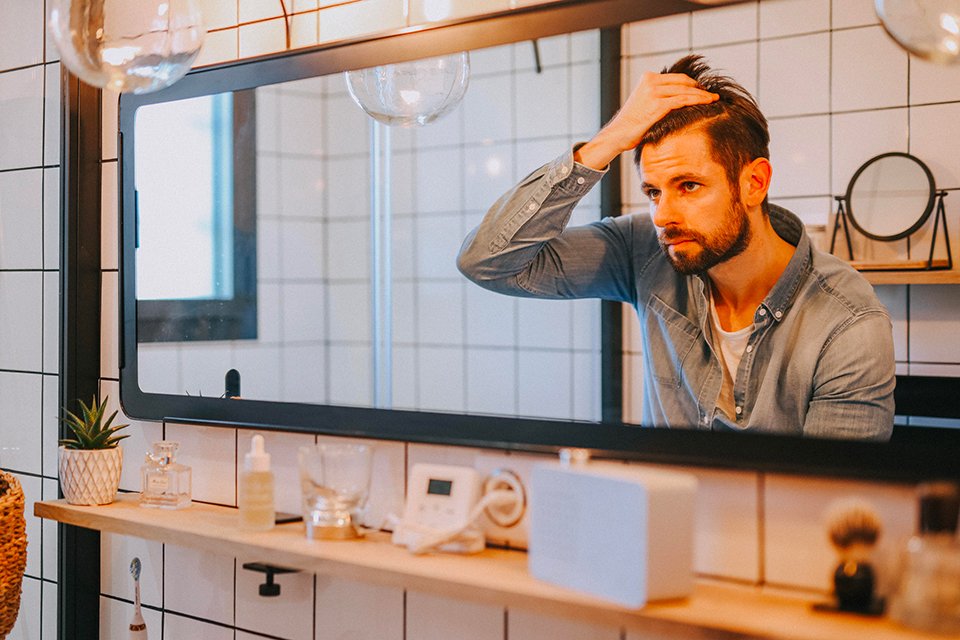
(665, 212)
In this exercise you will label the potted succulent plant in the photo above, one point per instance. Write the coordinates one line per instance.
(90, 461)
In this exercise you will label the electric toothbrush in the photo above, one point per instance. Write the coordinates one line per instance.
(138, 628)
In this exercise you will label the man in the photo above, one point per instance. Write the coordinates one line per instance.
(745, 325)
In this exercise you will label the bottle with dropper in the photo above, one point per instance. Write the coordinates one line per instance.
(255, 497)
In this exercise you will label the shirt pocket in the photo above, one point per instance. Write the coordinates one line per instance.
(670, 337)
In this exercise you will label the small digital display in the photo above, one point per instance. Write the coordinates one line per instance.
(439, 487)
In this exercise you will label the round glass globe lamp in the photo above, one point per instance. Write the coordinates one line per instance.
(410, 94)
(927, 28)
(127, 46)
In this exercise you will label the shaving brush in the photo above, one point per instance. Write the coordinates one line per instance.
(854, 528)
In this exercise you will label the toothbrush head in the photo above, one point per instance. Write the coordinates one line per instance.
(135, 568)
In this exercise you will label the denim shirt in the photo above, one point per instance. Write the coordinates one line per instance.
(819, 361)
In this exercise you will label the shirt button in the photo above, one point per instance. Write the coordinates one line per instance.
(749, 348)
(762, 311)
(580, 180)
(531, 206)
(778, 314)
(566, 169)
(739, 410)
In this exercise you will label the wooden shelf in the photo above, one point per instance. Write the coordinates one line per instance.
(912, 277)
(497, 577)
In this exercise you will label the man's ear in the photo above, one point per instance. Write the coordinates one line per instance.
(755, 181)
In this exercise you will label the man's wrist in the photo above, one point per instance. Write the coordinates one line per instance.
(599, 151)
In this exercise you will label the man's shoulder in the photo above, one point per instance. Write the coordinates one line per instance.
(836, 280)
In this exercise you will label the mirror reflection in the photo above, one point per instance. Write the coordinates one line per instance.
(269, 270)
(290, 164)
(744, 325)
(890, 195)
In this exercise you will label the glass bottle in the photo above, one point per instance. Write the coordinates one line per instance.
(928, 595)
(255, 489)
(165, 483)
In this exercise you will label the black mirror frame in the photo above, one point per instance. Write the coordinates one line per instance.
(928, 209)
(924, 453)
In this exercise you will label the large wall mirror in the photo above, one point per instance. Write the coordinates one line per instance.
(258, 237)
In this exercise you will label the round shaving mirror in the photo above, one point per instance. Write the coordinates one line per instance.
(890, 196)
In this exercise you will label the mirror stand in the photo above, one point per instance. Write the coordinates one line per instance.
(880, 203)
(930, 264)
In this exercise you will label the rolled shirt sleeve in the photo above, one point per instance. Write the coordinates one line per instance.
(523, 247)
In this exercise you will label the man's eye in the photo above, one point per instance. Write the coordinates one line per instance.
(690, 187)
(653, 194)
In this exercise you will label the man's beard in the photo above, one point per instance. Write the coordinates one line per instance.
(730, 241)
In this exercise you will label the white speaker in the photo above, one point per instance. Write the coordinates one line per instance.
(620, 532)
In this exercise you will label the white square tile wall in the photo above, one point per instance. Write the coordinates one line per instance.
(176, 627)
(51, 218)
(345, 607)
(20, 433)
(434, 617)
(854, 13)
(783, 91)
(109, 325)
(934, 131)
(867, 82)
(21, 308)
(522, 625)
(670, 33)
(723, 25)
(791, 17)
(21, 219)
(21, 111)
(199, 584)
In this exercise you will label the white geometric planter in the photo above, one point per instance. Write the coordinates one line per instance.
(90, 476)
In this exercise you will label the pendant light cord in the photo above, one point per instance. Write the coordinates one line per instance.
(286, 21)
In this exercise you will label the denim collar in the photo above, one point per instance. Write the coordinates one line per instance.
(789, 227)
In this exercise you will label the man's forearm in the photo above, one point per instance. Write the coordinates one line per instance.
(522, 220)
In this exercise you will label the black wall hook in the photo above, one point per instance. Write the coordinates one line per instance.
(268, 588)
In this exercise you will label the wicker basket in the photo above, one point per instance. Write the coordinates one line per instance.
(13, 550)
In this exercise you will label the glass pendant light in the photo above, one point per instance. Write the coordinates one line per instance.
(927, 28)
(127, 46)
(414, 93)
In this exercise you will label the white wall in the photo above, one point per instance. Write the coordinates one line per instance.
(29, 290)
(759, 528)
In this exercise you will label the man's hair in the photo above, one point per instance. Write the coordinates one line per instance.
(734, 124)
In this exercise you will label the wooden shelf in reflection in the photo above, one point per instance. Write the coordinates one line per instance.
(907, 272)
(497, 577)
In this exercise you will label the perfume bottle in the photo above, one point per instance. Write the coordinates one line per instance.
(928, 597)
(165, 483)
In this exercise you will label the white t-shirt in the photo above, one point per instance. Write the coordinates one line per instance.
(730, 346)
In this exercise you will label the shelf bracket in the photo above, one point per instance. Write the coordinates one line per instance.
(268, 588)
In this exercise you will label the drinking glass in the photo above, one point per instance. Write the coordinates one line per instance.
(335, 481)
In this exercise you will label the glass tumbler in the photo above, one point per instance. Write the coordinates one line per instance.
(335, 481)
